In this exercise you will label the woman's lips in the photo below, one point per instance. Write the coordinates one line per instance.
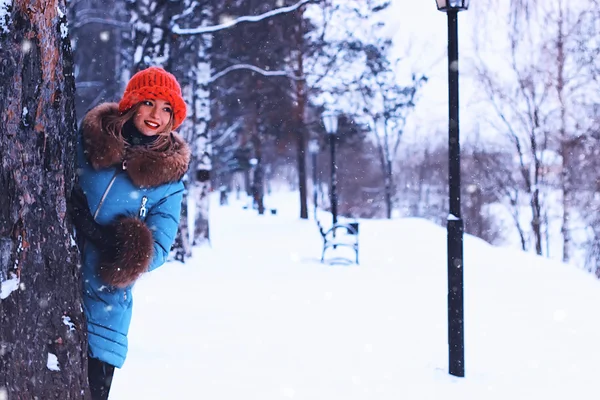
(151, 125)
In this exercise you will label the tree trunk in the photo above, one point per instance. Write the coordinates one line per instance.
(301, 154)
(536, 207)
(536, 221)
(564, 141)
(386, 169)
(257, 175)
(201, 185)
(258, 185)
(300, 126)
(388, 188)
(43, 345)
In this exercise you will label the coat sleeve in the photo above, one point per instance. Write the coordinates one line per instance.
(163, 221)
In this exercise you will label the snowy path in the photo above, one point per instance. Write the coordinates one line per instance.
(257, 317)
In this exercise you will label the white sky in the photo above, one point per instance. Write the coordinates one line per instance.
(420, 34)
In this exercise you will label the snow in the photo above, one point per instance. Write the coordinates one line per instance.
(8, 286)
(256, 316)
(52, 363)
(4, 19)
(24, 114)
(64, 30)
(67, 321)
(137, 56)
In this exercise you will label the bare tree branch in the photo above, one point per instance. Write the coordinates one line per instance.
(97, 20)
(246, 18)
(254, 68)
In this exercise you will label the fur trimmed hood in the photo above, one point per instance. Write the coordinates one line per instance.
(145, 167)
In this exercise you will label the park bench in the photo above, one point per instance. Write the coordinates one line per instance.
(342, 235)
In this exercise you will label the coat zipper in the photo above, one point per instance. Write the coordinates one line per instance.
(143, 208)
(107, 190)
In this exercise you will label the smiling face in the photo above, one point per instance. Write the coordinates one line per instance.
(153, 116)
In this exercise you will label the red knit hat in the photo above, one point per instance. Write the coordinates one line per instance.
(155, 83)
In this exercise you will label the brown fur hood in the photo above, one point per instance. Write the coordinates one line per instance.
(145, 167)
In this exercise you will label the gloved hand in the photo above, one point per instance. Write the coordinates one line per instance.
(102, 236)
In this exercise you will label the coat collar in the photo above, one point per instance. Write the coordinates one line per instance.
(145, 167)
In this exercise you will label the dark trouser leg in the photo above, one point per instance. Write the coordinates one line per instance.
(100, 375)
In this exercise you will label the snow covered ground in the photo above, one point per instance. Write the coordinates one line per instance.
(256, 316)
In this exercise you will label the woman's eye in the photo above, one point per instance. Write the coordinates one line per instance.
(147, 103)
(167, 109)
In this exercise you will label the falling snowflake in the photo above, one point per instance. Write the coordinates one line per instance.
(226, 19)
(26, 46)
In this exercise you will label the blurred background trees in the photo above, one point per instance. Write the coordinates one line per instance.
(257, 90)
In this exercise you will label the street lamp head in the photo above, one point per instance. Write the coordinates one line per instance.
(452, 5)
(330, 120)
(253, 162)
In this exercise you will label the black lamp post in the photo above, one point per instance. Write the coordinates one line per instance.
(456, 336)
(313, 149)
(330, 120)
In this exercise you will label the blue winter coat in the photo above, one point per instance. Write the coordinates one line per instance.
(139, 192)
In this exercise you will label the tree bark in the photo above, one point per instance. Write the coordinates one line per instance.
(201, 185)
(388, 176)
(299, 118)
(534, 188)
(257, 176)
(564, 140)
(41, 317)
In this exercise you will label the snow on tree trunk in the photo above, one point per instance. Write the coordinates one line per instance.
(43, 344)
(202, 150)
(202, 166)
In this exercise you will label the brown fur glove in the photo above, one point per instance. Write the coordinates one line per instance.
(123, 264)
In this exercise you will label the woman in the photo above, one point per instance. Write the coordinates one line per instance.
(127, 208)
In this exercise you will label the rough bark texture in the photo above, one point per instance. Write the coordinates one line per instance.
(42, 317)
